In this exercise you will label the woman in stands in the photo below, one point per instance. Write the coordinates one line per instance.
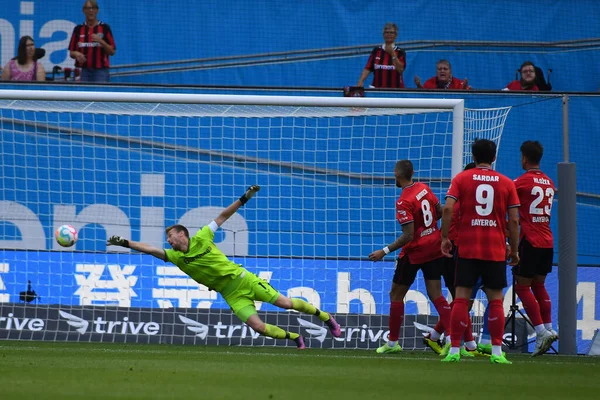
(24, 67)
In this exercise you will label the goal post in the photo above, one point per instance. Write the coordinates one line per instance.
(354, 103)
(130, 164)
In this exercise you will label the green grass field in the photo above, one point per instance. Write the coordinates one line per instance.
(43, 370)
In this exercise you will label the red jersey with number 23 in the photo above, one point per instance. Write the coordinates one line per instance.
(484, 197)
(536, 192)
(417, 204)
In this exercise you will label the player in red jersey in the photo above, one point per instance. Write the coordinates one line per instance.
(432, 340)
(536, 245)
(485, 198)
(417, 211)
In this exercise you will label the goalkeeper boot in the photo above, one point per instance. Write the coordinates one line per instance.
(434, 345)
(300, 343)
(446, 349)
(543, 342)
(485, 348)
(499, 359)
(452, 358)
(333, 326)
(385, 349)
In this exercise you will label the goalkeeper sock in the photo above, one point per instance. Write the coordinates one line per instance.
(276, 332)
(307, 308)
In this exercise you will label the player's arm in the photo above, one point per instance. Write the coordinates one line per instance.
(233, 207)
(137, 246)
(438, 211)
(408, 231)
(446, 219)
(513, 235)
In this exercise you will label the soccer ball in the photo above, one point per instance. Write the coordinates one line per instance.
(66, 235)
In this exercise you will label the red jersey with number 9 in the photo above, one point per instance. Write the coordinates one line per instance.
(417, 204)
(536, 192)
(484, 197)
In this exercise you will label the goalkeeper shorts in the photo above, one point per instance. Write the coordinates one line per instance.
(241, 294)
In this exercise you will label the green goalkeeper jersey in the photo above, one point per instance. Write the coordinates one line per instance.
(204, 262)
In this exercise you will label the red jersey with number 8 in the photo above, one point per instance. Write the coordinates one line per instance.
(417, 204)
(536, 192)
(484, 197)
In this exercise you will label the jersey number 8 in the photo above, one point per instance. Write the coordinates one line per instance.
(427, 214)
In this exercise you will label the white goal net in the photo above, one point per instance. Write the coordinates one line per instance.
(131, 164)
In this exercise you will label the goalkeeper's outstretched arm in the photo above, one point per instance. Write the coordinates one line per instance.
(233, 207)
(137, 246)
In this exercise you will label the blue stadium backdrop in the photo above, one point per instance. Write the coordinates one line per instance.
(171, 32)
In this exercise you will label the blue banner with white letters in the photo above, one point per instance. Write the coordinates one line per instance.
(141, 281)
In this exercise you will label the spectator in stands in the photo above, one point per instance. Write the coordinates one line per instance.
(443, 79)
(387, 62)
(527, 81)
(91, 45)
(25, 66)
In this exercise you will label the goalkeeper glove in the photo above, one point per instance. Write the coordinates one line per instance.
(249, 193)
(117, 241)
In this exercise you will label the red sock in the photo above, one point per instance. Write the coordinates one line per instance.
(395, 321)
(530, 304)
(496, 322)
(469, 331)
(459, 320)
(444, 310)
(540, 293)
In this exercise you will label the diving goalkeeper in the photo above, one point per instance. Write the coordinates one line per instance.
(200, 258)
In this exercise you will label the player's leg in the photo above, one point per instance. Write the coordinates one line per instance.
(241, 301)
(432, 272)
(307, 308)
(246, 311)
(432, 340)
(485, 342)
(263, 291)
(272, 331)
(493, 275)
(450, 271)
(466, 276)
(524, 272)
(468, 339)
(538, 288)
(404, 276)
